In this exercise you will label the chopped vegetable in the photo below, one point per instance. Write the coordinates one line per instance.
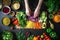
(7, 35)
(51, 16)
(43, 25)
(20, 36)
(36, 38)
(30, 24)
(37, 25)
(42, 36)
(52, 5)
(53, 35)
(15, 22)
(48, 30)
(22, 19)
(51, 25)
(30, 38)
(43, 16)
(56, 18)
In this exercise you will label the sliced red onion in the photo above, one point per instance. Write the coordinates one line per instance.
(32, 18)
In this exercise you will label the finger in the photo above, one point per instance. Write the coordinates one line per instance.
(37, 10)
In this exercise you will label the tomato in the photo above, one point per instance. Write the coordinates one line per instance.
(48, 39)
(15, 22)
(40, 38)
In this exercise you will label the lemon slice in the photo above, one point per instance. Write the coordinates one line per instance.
(6, 21)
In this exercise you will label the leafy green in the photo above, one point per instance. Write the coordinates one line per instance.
(52, 5)
(21, 18)
(20, 36)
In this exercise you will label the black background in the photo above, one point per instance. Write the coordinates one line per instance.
(33, 4)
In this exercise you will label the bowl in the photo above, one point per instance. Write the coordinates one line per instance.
(6, 9)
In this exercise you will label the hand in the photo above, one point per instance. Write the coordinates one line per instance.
(28, 10)
(37, 10)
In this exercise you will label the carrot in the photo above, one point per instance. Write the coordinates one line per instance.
(37, 25)
(35, 38)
